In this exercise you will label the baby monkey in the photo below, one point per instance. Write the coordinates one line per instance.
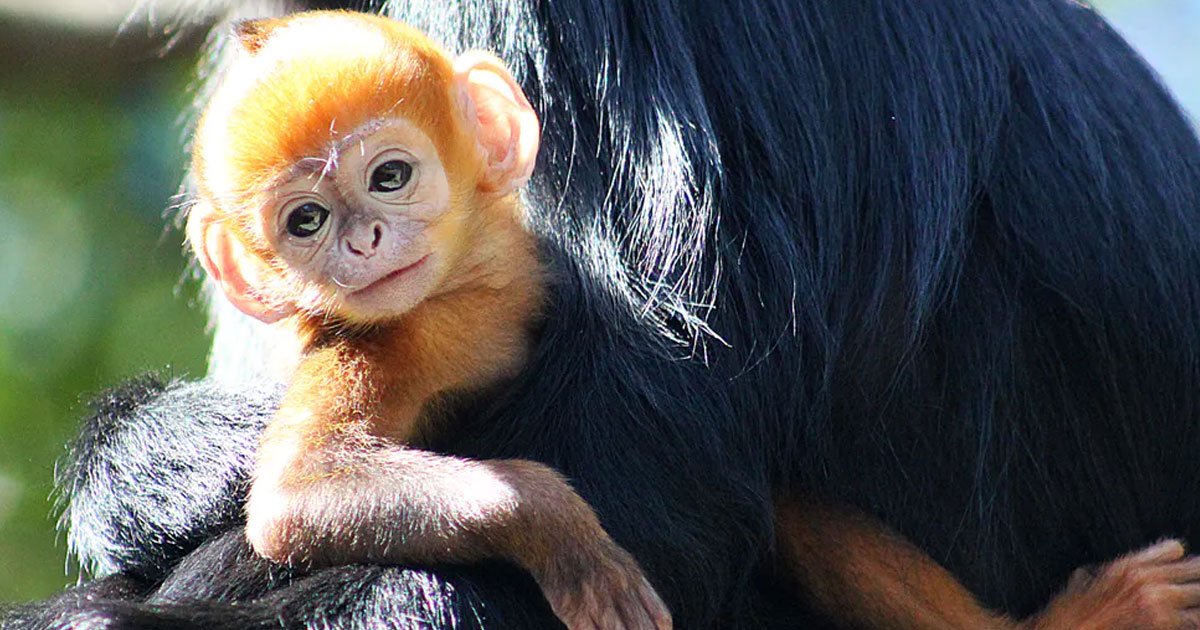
(356, 180)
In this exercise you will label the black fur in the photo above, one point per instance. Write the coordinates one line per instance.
(149, 447)
(937, 259)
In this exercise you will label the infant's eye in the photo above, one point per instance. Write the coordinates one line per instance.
(390, 176)
(306, 220)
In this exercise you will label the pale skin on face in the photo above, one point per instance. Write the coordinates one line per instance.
(370, 253)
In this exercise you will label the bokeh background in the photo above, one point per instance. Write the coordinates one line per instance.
(92, 287)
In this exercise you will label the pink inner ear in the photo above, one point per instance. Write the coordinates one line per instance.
(495, 126)
(507, 126)
(239, 274)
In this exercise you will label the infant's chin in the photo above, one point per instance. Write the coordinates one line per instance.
(391, 297)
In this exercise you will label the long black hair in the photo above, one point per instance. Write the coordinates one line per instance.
(939, 260)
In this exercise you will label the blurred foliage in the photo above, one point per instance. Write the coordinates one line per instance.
(90, 279)
(90, 289)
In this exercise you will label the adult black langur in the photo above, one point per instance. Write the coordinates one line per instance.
(938, 261)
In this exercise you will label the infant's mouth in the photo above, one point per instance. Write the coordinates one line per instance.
(391, 276)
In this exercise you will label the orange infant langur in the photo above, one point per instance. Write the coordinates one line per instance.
(356, 181)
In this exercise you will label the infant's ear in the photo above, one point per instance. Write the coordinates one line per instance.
(252, 34)
(507, 127)
(239, 273)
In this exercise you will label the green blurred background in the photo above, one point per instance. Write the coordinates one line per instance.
(90, 278)
(91, 288)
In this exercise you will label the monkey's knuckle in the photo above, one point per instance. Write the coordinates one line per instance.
(1149, 606)
(268, 538)
(1117, 571)
(1130, 579)
(1140, 579)
(625, 579)
(603, 584)
(571, 601)
(1082, 578)
(1162, 620)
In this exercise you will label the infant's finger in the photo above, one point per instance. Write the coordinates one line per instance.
(1185, 595)
(659, 613)
(1187, 570)
(1169, 550)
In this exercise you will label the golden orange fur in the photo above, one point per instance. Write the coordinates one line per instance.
(849, 563)
(312, 96)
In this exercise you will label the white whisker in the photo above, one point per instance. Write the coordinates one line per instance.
(342, 285)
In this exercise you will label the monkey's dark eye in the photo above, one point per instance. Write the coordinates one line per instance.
(390, 176)
(306, 220)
